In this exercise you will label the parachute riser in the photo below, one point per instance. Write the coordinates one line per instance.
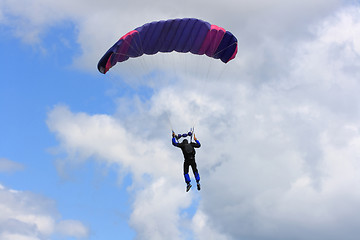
(184, 135)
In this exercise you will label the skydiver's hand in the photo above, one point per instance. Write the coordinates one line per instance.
(173, 134)
(195, 137)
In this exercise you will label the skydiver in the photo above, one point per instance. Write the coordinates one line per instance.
(188, 150)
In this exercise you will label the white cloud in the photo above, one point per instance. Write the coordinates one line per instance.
(7, 165)
(202, 230)
(24, 215)
(157, 208)
(279, 156)
(11, 236)
(296, 141)
(72, 228)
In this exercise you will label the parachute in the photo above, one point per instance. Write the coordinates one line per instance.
(180, 35)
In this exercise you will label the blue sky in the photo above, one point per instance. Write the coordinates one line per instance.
(32, 84)
(89, 156)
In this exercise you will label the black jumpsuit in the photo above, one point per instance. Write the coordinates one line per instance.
(188, 150)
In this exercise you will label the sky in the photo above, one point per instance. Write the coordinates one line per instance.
(88, 156)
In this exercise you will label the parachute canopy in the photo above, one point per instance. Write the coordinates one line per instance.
(180, 35)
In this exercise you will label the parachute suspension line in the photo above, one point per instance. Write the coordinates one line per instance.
(143, 63)
(217, 53)
(136, 48)
(192, 133)
(161, 62)
(202, 84)
(131, 46)
(209, 62)
(140, 51)
(157, 60)
(226, 65)
(140, 48)
(169, 121)
(211, 72)
(216, 79)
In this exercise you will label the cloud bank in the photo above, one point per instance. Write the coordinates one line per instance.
(280, 148)
(25, 215)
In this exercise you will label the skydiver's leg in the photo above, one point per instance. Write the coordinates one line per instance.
(186, 175)
(186, 172)
(196, 173)
(195, 170)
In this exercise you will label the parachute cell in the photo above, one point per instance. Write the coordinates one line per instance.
(180, 35)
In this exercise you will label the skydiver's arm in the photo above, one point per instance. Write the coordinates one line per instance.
(196, 144)
(174, 142)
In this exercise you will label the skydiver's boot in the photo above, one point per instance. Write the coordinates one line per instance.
(197, 177)
(188, 186)
(187, 180)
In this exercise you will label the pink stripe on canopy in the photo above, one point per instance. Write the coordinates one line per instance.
(212, 40)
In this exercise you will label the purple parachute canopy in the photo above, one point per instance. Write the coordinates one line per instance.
(180, 35)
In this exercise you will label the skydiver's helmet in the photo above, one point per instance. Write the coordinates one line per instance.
(185, 141)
